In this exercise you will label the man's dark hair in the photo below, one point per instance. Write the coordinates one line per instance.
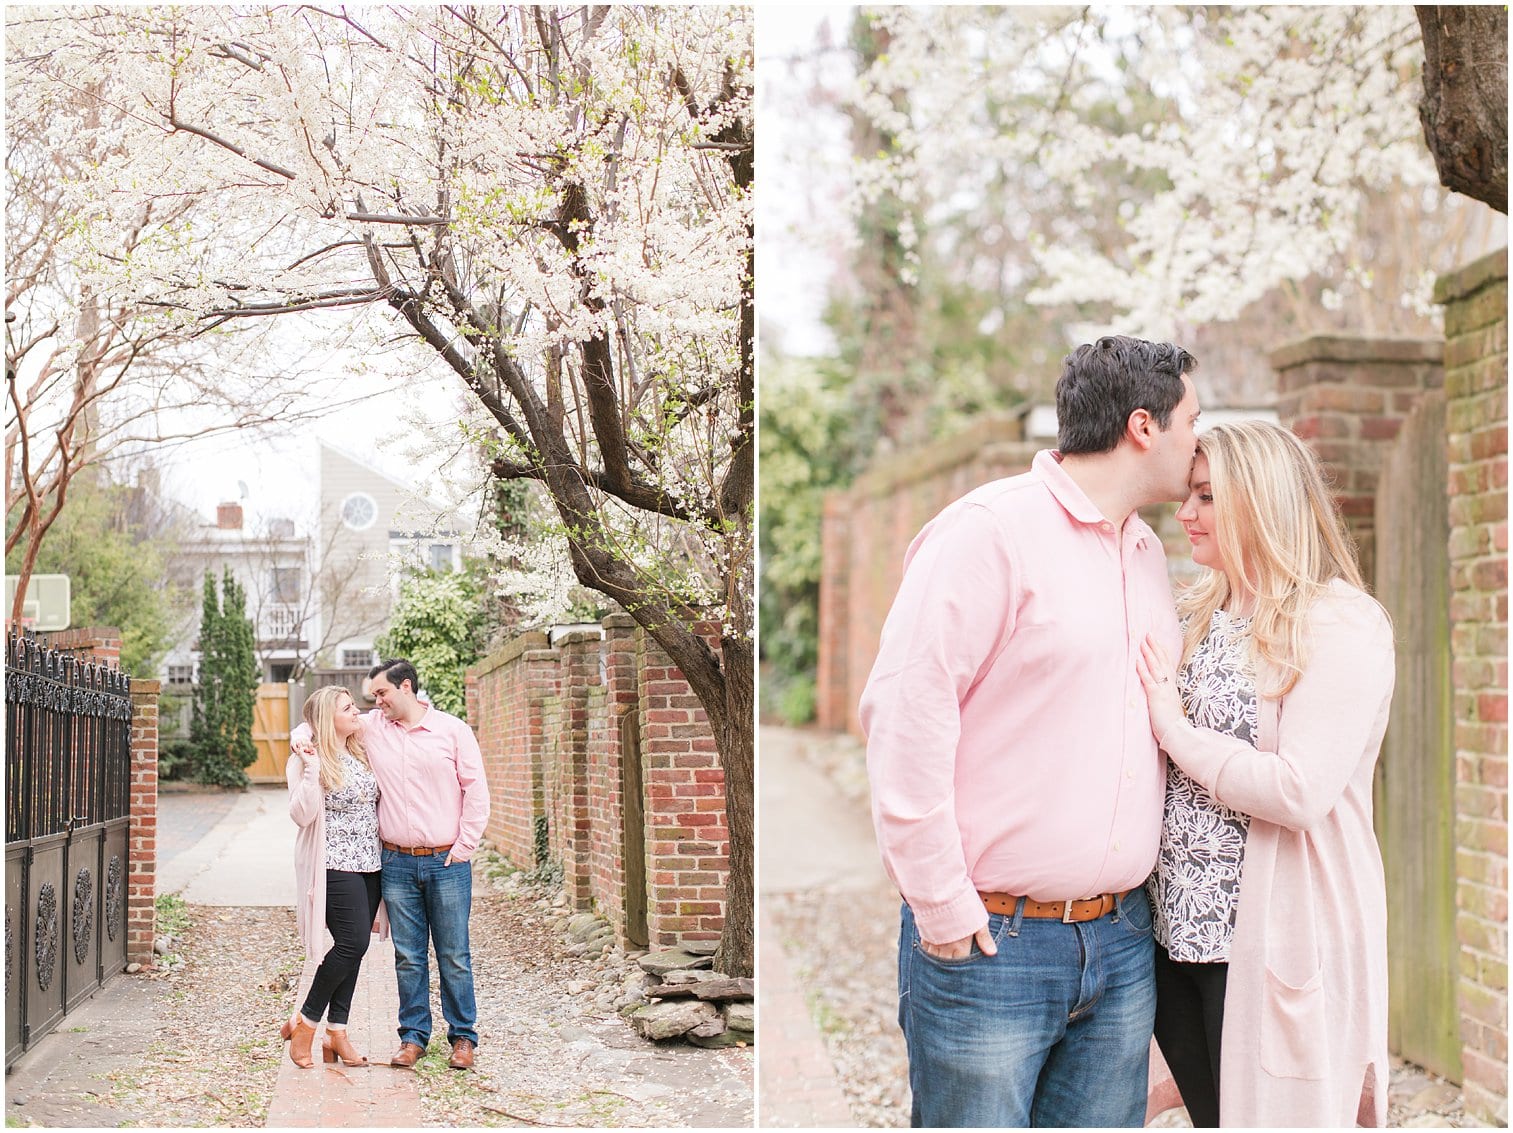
(396, 672)
(1103, 382)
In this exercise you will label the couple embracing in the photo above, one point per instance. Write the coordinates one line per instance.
(390, 806)
(1112, 816)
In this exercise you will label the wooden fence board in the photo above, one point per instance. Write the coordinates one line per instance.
(1415, 788)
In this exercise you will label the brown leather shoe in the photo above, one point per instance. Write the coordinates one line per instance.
(462, 1055)
(407, 1055)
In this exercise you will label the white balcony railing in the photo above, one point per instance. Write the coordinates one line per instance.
(279, 622)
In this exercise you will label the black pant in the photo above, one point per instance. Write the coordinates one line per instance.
(351, 904)
(1189, 1019)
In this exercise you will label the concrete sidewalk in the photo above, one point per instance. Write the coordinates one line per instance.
(811, 838)
(212, 864)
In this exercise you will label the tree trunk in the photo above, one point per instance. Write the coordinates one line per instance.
(1465, 105)
(735, 738)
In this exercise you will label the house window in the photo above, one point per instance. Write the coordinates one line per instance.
(181, 674)
(441, 556)
(356, 658)
(286, 584)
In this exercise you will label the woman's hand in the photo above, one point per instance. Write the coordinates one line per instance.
(306, 751)
(1156, 674)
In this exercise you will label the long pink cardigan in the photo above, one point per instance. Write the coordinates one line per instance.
(1305, 1010)
(307, 806)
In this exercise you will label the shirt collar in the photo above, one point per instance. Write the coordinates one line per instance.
(1074, 501)
(423, 722)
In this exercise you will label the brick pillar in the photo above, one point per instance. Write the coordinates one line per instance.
(687, 840)
(580, 674)
(142, 871)
(832, 685)
(98, 644)
(1347, 398)
(1476, 392)
(620, 685)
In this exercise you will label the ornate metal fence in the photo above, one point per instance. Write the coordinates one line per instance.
(67, 814)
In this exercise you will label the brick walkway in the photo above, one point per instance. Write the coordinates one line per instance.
(797, 1084)
(337, 1096)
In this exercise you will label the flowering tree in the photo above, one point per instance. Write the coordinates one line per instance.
(1267, 131)
(92, 372)
(554, 204)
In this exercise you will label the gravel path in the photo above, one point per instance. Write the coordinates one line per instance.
(844, 947)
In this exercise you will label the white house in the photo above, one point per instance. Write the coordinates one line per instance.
(318, 599)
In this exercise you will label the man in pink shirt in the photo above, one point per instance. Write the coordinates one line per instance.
(1017, 789)
(432, 806)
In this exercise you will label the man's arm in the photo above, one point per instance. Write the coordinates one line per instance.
(475, 795)
(954, 612)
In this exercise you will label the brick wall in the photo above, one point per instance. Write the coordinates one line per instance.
(506, 696)
(1347, 397)
(1476, 389)
(142, 872)
(866, 530)
(549, 721)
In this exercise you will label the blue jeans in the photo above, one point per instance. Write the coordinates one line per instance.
(1055, 1030)
(429, 902)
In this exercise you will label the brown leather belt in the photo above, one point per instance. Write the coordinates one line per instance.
(1067, 912)
(423, 851)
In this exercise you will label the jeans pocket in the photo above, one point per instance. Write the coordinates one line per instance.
(1294, 1022)
(1135, 913)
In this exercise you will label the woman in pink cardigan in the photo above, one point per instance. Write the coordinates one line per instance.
(1268, 898)
(333, 798)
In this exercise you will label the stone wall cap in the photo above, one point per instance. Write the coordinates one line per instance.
(1471, 278)
(909, 466)
(1356, 348)
(509, 651)
(145, 687)
(617, 621)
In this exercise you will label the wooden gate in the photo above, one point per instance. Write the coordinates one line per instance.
(1415, 787)
(270, 732)
(633, 829)
(67, 814)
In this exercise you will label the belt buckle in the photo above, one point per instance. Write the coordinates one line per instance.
(1066, 913)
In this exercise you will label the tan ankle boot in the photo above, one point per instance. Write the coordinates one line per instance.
(300, 1040)
(339, 1046)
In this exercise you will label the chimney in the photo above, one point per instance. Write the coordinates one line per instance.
(228, 517)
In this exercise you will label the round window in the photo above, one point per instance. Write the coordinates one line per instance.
(358, 511)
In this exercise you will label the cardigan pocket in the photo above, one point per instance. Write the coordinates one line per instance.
(1294, 1027)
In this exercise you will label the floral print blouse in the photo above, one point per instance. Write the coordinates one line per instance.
(352, 820)
(1197, 877)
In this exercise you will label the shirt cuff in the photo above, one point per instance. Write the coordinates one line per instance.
(959, 917)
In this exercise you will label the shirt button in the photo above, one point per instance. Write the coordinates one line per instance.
(1129, 774)
(1106, 525)
(1116, 847)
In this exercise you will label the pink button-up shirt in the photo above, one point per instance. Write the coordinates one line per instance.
(431, 784)
(1008, 740)
(433, 789)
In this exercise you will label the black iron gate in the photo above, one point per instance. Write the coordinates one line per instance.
(67, 814)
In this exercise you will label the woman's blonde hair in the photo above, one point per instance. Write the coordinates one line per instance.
(320, 711)
(1280, 534)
